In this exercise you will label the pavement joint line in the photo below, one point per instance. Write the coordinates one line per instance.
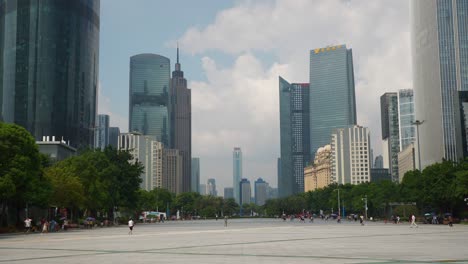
(52, 257)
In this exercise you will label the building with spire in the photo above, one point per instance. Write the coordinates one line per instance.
(181, 122)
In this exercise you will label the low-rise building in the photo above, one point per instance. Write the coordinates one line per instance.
(406, 161)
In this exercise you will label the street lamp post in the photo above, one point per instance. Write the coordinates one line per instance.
(418, 123)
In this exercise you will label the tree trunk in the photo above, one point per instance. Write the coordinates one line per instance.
(4, 215)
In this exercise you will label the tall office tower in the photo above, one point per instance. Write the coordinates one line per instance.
(49, 63)
(294, 136)
(102, 132)
(261, 194)
(236, 172)
(390, 131)
(439, 39)
(244, 191)
(378, 163)
(181, 122)
(406, 117)
(172, 171)
(114, 137)
(350, 161)
(228, 192)
(202, 189)
(332, 96)
(195, 179)
(149, 152)
(149, 96)
(211, 187)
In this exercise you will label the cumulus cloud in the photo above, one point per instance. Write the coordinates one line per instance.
(238, 104)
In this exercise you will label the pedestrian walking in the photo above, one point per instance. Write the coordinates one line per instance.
(450, 221)
(225, 221)
(398, 219)
(361, 219)
(27, 224)
(130, 226)
(45, 226)
(413, 221)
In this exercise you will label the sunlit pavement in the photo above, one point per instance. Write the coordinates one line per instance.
(243, 241)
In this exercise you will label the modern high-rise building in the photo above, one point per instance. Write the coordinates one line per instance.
(261, 188)
(390, 131)
(211, 187)
(149, 152)
(236, 172)
(49, 68)
(149, 96)
(439, 39)
(114, 133)
(202, 189)
(195, 179)
(172, 171)
(228, 192)
(406, 117)
(350, 149)
(181, 122)
(378, 163)
(245, 191)
(294, 136)
(102, 132)
(332, 96)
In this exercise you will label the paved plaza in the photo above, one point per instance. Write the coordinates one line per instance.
(243, 241)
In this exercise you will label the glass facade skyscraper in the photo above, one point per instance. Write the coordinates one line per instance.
(195, 179)
(440, 62)
(102, 132)
(236, 172)
(406, 117)
(390, 131)
(294, 136)
(332, 95)
(49, 64)
(149, 96)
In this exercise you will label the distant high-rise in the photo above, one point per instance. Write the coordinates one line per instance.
(102, 132)
(439, 39)
(172, 171)
(406, 117)
(245, 191)
(195, 179)
(49, 68)
(261, 194)
(202, 189)
(236, 172)
(350, 149)
(378, 163)
(390, 131)
(228, 192)
(332, 96)
(181, 122)
(294, 136)
(211, 187)
(149, 96)
(114, 136)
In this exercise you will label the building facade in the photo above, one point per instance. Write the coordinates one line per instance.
(211, 187)
(390, 131)
(332, 94)
(406, 160)
(181, 122)
(294, 136)
(149, 96)
(228, 193)
(406, 118)
(380, 174)
(195, 179)
(56, 150)
(261, 188)
(102, 132)
(440, 61)
(350, 160)
(236, 172)
(318, 175)
(114, 133)
(202, 189)
(49, 68)
(378, 163)
(172, 171)
(245, 192)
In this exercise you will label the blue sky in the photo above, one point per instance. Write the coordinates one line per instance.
(232, 53)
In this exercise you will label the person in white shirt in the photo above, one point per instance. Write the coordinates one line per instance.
(413, 221)
(130, 226)
(27, 224)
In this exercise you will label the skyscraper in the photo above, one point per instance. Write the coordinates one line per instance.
(149, 96)
(294, 136)
(49, 64)
(406, 117)
(332, 97)
(390, 131)
(439, 39)
(378, 163)
(261, 194)
(211, 187)
(181, 122)
(102, 132)
(114, 136)
(245, 192)
(172, 170)
(195, 179)
(236, 172)
(228, 192)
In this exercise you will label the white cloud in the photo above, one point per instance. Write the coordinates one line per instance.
(238, 105)
(105, 107)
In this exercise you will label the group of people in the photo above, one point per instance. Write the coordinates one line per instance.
(43, 225)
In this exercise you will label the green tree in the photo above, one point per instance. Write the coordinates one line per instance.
(67, 190)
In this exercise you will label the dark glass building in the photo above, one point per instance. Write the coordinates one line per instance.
(294, 136)
(101, 135)
(390, 131)
(181, 122)
(49, 61)
(114, 137)
(149, 96)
